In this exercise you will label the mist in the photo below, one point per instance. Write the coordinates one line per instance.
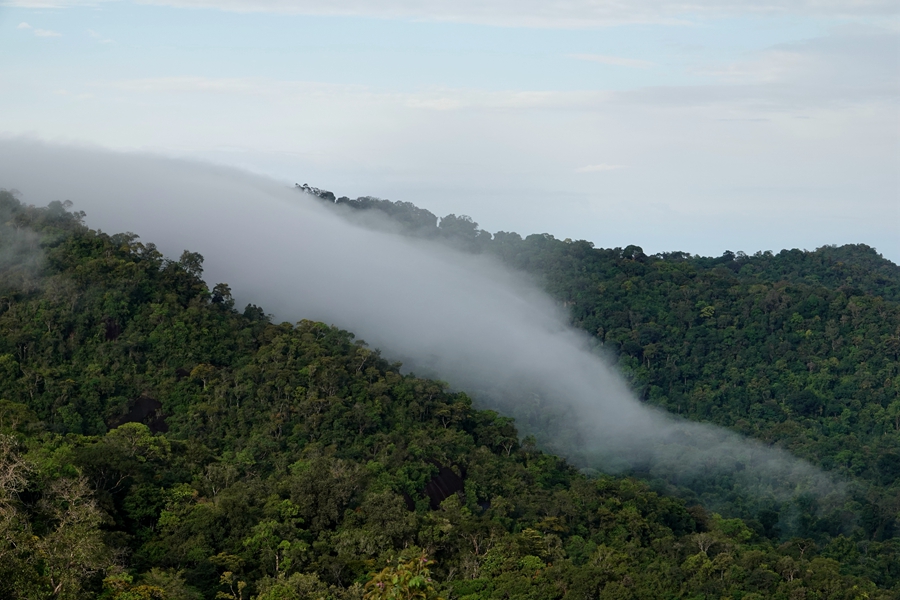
(461, 318)
(21, 256)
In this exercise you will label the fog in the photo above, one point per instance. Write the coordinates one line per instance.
(459, 317)
(21, 257)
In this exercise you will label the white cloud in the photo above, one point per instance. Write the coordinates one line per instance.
(525, 13)
(774, 65)
(99, 37)
(460, 99)
(37, 4)
(38, 32)
(599, 168)
(616, 61)
(858, 65)
(183, 84)
(437, 99)
(241, 86)
(540, 13)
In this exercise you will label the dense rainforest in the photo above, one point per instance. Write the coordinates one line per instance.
(158, 443)
(798, 349)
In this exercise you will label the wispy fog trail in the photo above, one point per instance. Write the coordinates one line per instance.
(460, 317)
(21, 256)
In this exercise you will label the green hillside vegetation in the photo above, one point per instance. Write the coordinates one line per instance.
(156, 443)
(798, 349)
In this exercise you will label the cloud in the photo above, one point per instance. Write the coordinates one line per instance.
(525, 13)
(861, 56)
(461, 98)
(539, 13)
(21, 255)
(850, 67)
(614, 60)
(38, 32)
(599, 168)
(438, 99)
(771, 66)
(99, 37)
(228, 85)
(843, 68)
(52, 4)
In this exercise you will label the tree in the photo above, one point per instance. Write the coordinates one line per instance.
(15, 530)
(72, 549)
(409, 579)
(192, 262)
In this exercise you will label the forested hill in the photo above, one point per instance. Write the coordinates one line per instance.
(856, 268)
(156, 443)
(799, 349)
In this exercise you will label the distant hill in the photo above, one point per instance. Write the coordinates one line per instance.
(856, 267)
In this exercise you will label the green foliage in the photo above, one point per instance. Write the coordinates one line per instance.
(409, 579)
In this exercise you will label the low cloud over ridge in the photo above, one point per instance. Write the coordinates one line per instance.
(460, 317)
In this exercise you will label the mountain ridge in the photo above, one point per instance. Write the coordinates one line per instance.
(854, 266)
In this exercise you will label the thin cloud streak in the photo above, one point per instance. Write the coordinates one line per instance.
(38, 32)
(615, 61)
(599, 168)
(100, 39)
(571, 14)
(53, 4)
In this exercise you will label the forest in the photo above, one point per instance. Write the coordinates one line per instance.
(158, 442)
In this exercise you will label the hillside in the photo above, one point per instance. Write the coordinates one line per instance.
(799, 349)
(158, 443)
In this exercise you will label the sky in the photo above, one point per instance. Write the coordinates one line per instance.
(703, 127)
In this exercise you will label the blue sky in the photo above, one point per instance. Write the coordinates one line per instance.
(737, 125)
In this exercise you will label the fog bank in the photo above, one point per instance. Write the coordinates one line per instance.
(462, 318)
